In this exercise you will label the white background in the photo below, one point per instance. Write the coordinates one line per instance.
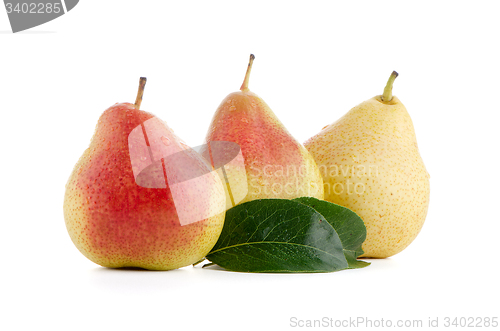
(314, 61)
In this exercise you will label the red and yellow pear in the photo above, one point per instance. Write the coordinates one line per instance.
(275, 164)
(139, 197)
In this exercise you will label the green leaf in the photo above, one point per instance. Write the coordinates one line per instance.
(276, 235)
(349, 226)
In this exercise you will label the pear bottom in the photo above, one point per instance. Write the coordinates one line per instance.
(146, 241)
(393, 217)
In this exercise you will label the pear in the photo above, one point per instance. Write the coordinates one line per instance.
(275, 164)
(139, 197)
(370, 163)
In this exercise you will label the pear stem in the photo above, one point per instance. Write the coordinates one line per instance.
(244, 86)
(140, 92)
(387, 96)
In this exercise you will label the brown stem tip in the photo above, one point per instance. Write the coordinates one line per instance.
(244, 86)
(140, 92)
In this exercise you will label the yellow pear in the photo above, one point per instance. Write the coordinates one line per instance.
(370, 163)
